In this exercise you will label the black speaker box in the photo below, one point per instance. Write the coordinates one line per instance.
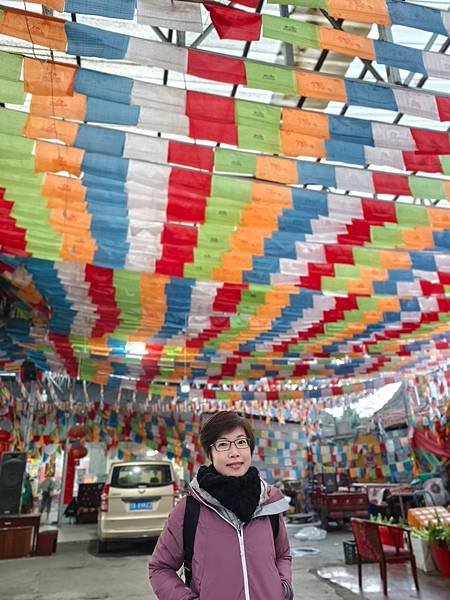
(12, 468)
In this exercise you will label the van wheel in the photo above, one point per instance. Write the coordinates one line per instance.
(102, 547)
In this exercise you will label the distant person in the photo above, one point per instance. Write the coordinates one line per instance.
(47, 489)
(241, 549)
(26, 500)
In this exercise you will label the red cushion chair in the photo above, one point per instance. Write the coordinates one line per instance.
(370, 548)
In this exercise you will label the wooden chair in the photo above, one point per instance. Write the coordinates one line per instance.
(370, 548)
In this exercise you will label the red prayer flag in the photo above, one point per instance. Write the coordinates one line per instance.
(234, 24)
(216, 67)
(191, 155)
(416, 161)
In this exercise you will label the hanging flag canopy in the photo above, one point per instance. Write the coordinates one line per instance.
(170, 212)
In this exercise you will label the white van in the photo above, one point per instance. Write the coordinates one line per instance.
(136, 501)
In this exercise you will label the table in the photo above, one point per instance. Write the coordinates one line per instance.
(30, 520)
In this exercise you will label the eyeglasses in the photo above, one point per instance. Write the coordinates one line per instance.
(225, 445)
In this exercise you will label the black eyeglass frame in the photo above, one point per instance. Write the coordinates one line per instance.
(247, 441)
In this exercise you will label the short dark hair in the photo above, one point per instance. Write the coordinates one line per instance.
(221, 423)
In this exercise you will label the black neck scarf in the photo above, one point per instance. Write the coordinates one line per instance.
(239, 494)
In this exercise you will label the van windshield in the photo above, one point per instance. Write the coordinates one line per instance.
(131, 476)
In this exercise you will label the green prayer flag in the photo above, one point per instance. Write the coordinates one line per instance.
(195, 271)
(387, 237)
(233, 161)
(305, 35)
(306, 3)
(224, 214)
(347, 271)
(426, 187)
(267, 77)
(215, 236)
(11, 92)
(234, 188)
(410, 215)
(367, 258)
(10, 65)
(366, 304)
(266, 114)
(445, 163)
(334, 285)
(11, 121)
(353, 316)
(20, 163)
(207, 256)
(262, 138)
(14, 146)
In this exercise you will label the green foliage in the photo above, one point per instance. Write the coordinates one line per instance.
(436, 532)
(387, 520)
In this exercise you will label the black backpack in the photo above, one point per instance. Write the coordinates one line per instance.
(191, 514)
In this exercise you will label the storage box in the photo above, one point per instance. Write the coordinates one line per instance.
(15, 542)
(422, 552)
(46, 542)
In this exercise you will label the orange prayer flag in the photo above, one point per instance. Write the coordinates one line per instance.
(246, 239)
(258, 216)
(373, 273)
(67, 107)
(361, 11)
(276, 196)
(56, 186)
(51, 129)
(395, 260)
(48, 78)
(316, 85)
(55, 157)
(66, 220)
(78, 248)
(297, 144)
(346, 43)
(34, 28)
(281, 170)
(62, 203)
(372, 316)
(229, 275)
(359, 287)
(237, 260)
(418, 238)
(388, 304)
(306, 122)
(439, 218)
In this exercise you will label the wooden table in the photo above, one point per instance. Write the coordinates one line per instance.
(30, 520)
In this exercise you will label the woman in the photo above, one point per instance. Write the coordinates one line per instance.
(237, 554)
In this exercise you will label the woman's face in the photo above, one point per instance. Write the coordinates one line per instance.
(233, 462)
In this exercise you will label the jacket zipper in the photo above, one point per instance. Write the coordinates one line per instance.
(240, 534)
(244, 563)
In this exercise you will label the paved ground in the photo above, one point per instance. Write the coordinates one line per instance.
(75, 572)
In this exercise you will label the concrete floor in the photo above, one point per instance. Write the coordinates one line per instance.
(75, 572)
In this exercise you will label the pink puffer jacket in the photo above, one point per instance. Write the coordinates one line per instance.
(229, 562)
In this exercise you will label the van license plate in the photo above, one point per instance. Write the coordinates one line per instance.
(140, 505)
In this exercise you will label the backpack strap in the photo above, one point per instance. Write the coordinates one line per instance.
(191, 514)
(275, 523)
